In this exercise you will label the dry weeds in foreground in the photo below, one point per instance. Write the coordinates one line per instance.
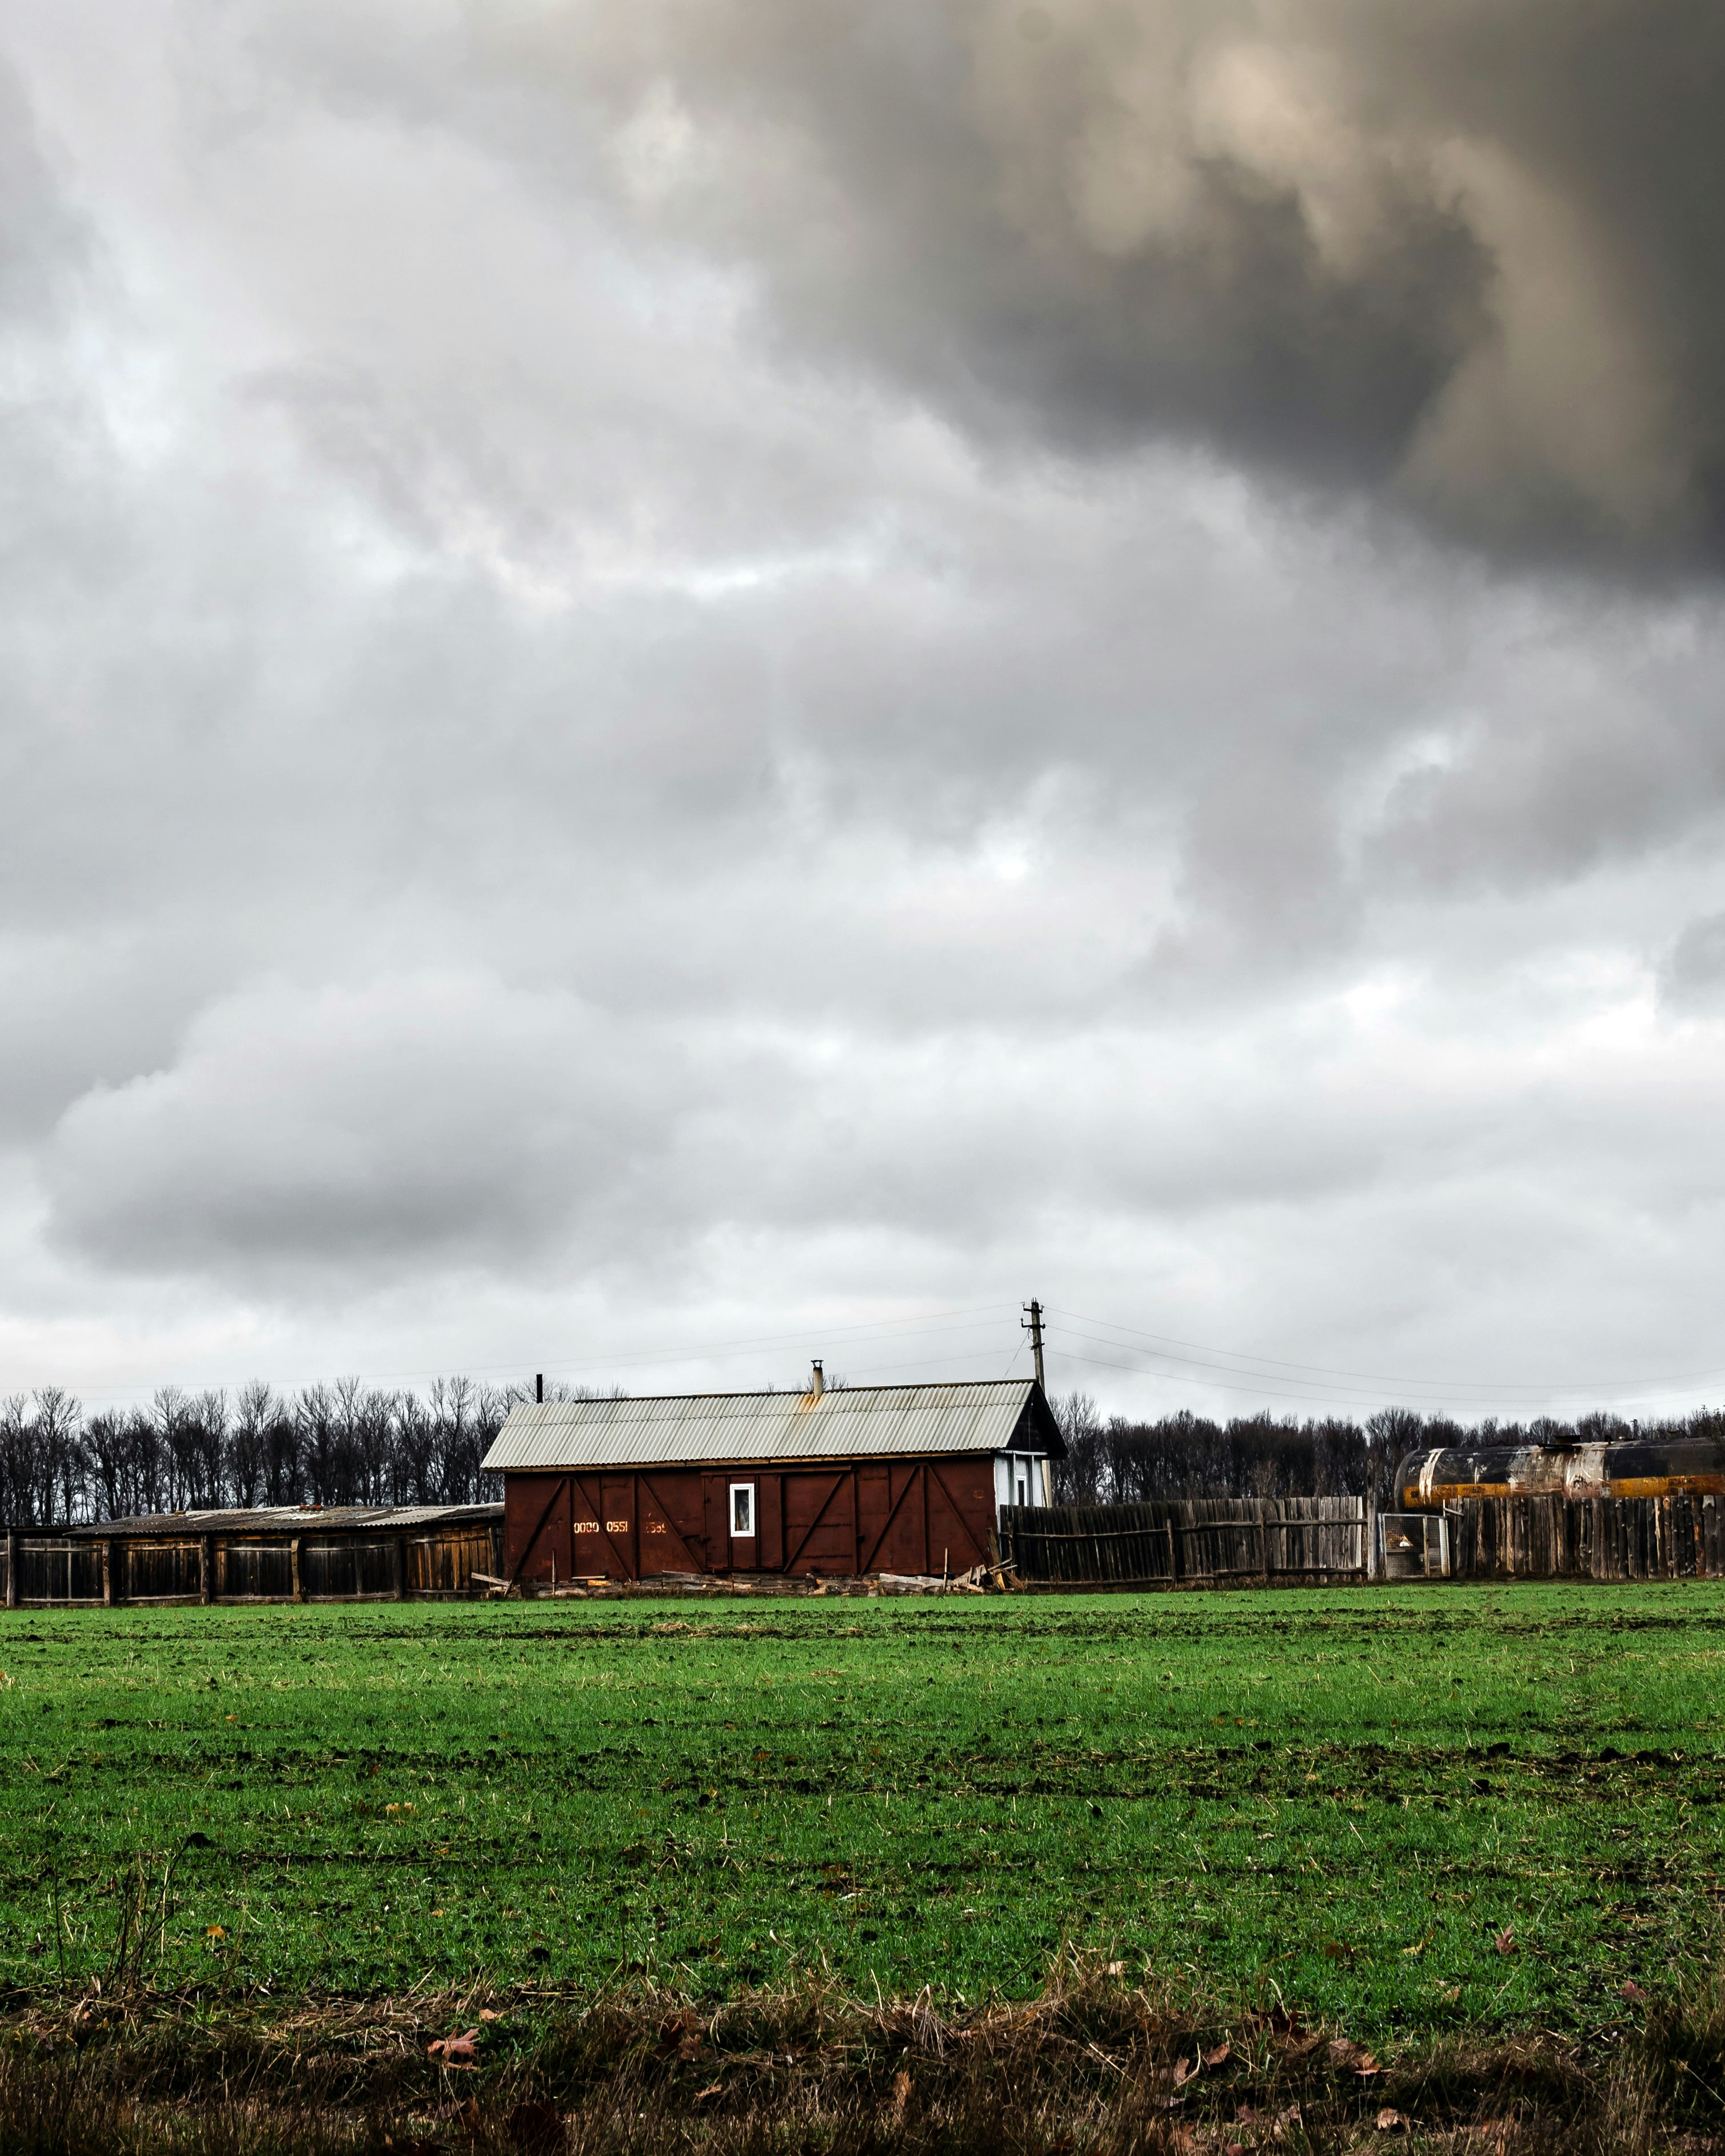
(1093, 2067)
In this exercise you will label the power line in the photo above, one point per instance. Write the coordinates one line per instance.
(1225, 1383)
(1214, 1384)
(1447, 1388)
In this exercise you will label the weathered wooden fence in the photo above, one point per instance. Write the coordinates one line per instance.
(1544, 1537)
(1197, 1541)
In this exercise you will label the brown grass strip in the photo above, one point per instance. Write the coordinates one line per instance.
(1094, 2067)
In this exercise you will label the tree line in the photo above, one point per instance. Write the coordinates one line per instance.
(1122, 1460)
(349, 1444)
(340, 1444)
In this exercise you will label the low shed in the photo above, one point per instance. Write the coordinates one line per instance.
(271, 1553)
(838, 1482)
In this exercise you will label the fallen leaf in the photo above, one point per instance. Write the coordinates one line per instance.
(1214, 2059)
(1183, 2071)
(489, 2013)
(1505, 1941)
(453, 2050)
(1389, 2122)
(1633, 1992)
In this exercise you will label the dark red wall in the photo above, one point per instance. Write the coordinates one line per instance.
(913, 1516)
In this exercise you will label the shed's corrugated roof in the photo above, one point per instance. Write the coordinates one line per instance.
(849, 1423)
(299, 1520)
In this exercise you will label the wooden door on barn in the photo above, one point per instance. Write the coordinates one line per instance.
(820, 1525)
(672, 1535)
(891, 1517)
(593, 1554)
(955, 1538)
(925, 1516)
(537, 1537)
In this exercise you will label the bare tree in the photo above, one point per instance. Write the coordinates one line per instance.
(246, 1467)
(319, 1444)
(59, 1423)
(19, 1482)
(108, 1470)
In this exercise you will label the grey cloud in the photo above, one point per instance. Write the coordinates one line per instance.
(540, 778)
(387, 1124)
(1594, 747)
(1692, 976)
(1464, 258)
(46, 248)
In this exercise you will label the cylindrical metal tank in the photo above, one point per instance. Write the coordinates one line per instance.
(1696, 1466)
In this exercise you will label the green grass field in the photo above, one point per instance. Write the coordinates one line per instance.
(1341, 1799)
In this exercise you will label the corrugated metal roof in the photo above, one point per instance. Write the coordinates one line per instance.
(299, 1520)
(847, 1423)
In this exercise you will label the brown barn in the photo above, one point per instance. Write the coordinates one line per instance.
(878, 1478)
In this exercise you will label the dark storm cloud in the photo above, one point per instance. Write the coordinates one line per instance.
(1466, 256)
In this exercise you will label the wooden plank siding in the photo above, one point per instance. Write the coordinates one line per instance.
(1194, 1541)
(1555, 1537)
(829, 1518)
(1291, 1540)
(38, 1571)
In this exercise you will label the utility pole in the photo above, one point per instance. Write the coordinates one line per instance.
(1032, 1324)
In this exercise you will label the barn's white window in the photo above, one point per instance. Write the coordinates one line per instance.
(742, 1509)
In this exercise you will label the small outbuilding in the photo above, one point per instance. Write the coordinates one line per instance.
(270, 1553)
(832, 1482)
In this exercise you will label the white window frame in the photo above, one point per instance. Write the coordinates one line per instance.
(747, 1491)
(1033, 1467)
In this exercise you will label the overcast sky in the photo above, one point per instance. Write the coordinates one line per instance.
(691, 683)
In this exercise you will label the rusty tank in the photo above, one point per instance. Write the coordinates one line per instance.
(1690, 1466)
